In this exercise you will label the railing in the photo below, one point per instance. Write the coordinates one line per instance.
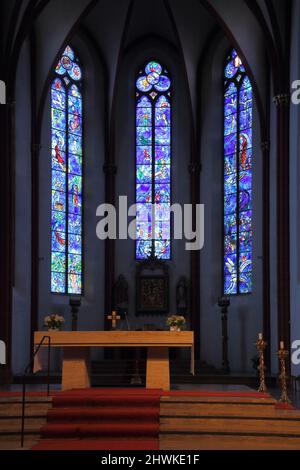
(26, 371)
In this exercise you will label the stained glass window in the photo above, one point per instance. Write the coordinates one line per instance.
(153, 162)
(238, 109)
(66, 127)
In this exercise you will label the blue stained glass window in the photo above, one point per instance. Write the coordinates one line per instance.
(153, 162)
(238, 110)
(67, 195)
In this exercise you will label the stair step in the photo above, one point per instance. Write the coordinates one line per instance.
(230, 426)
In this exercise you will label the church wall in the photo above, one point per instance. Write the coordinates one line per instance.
(294, 187)
(273, 234)
(91, 312)
(21, 291)
(245, 317)
(125, 160)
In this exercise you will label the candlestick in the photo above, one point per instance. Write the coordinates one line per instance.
(283, 355)
(281, 345)
(261, 346)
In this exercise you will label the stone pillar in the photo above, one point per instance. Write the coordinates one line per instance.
(282, 102)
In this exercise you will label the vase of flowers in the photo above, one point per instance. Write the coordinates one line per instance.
(54, 322)
(176, 322)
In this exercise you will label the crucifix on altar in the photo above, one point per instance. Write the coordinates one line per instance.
(114, 317)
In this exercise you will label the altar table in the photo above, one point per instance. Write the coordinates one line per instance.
(76, 347)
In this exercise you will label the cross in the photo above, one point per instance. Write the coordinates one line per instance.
(114, 317)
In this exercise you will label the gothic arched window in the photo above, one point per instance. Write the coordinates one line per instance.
(66, 127)
(153, 162)
(238, 110)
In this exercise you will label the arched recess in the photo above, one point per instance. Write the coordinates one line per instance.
(138, 53)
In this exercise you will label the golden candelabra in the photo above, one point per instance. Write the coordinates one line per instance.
(261, 346)
(283, 377)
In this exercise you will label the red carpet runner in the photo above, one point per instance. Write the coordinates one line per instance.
(107, 419)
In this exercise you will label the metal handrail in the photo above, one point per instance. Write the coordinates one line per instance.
(26, 371)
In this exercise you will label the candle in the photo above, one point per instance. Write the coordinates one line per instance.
(260, 336)
(281, 345)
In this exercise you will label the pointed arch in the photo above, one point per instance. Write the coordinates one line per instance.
(67, 181)
(238, 209)
(153, 162)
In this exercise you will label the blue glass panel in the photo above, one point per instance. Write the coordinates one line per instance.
(75, 224)
(144, 193)
(162, 212)
(246, 221)
(246, 83)
(246, 119)
(58, 262)
(163, 155)
(74, 264)
(58, 221)
(162, 193)
(75, 164)
(162, 136)
(75, 244)
(75, 204)
(230, 204)
(245, 98)
(163, 117)
(162, 249)
(230, 124)
(74, 284)
(230, 89)
(230, 265)
(230, 70)
(230, 224)
(58, 180)
(75, 124)
(69, 52)
(230, 144)
(75, 72)
(58, 140)
(246, 283)
(162, 173)
(75, 105)
(245, 139)
(144, 102)
(144, 212)
(58, 283)
(245, 201)
(153, 78)
(75, 184)
(144, 230)
(75, 144)
(58, 241)
(245, 241)
(230, 104)
(163, 102)
(245, 262)
(163, 84)
(246, 159)
(230, 285)
(143, 85)
(230, 184)
(59, 201)
(230, 164)
(143, 249)
(245, 180)
(144, 173)
(153, 67)
(58, 160)
(144, 117)
(58, 119)
(144, 155)
(144, 136)
(162, 230)
(230, 244)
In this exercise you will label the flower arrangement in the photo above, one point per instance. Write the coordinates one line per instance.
(54, 322)
(176, 322)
